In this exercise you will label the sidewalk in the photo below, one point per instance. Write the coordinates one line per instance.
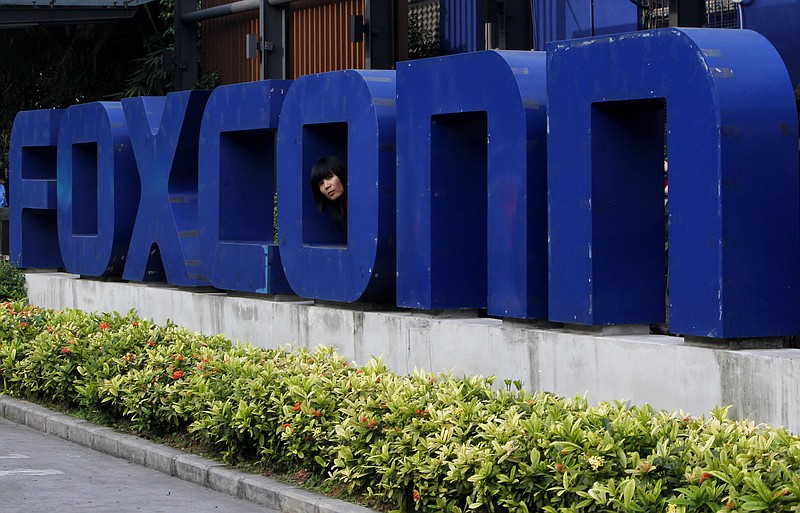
(211, 474)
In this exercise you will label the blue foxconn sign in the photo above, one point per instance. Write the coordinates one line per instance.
(527, 183)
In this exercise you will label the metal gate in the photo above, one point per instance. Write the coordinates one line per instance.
(715, 13)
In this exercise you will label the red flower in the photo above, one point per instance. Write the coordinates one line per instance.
(363, 420)
(177, 374)
(316, 413)
(103, 326)
(560, 468)
(297, 406)
(151, 343)
(135, 324)
(23, 324)
(417, 496)
(65, 350)
(286, 426)
(705, 476)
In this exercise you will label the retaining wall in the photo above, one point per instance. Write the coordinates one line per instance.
(667, 372)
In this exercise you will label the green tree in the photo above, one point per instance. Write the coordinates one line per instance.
(56, 66)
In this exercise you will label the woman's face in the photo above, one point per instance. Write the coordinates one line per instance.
(331, 187)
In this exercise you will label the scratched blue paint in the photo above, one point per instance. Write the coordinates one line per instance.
(471, 188)
(350, 114)
(237, 176)
(166, 241)
(557, 20)
(98, 189)
(33, 241)
(734, 238)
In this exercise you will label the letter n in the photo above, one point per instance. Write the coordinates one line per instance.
(734, 211)
(471, 168)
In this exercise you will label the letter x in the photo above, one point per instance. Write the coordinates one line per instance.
(164, 134)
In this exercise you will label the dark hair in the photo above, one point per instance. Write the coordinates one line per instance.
(322, 169)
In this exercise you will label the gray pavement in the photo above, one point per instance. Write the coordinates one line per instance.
(50, 462)
(43, 473)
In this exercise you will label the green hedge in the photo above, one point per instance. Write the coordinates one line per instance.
(419, 442)
(12, 282)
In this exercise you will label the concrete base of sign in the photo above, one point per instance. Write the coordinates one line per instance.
(665, 371)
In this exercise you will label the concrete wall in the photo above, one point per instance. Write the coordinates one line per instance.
(666, 372)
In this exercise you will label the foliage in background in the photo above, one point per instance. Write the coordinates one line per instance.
(421, 42)
(55, 66)
(12, 282)
(422, 442)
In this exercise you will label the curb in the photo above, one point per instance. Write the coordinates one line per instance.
(217, 476)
